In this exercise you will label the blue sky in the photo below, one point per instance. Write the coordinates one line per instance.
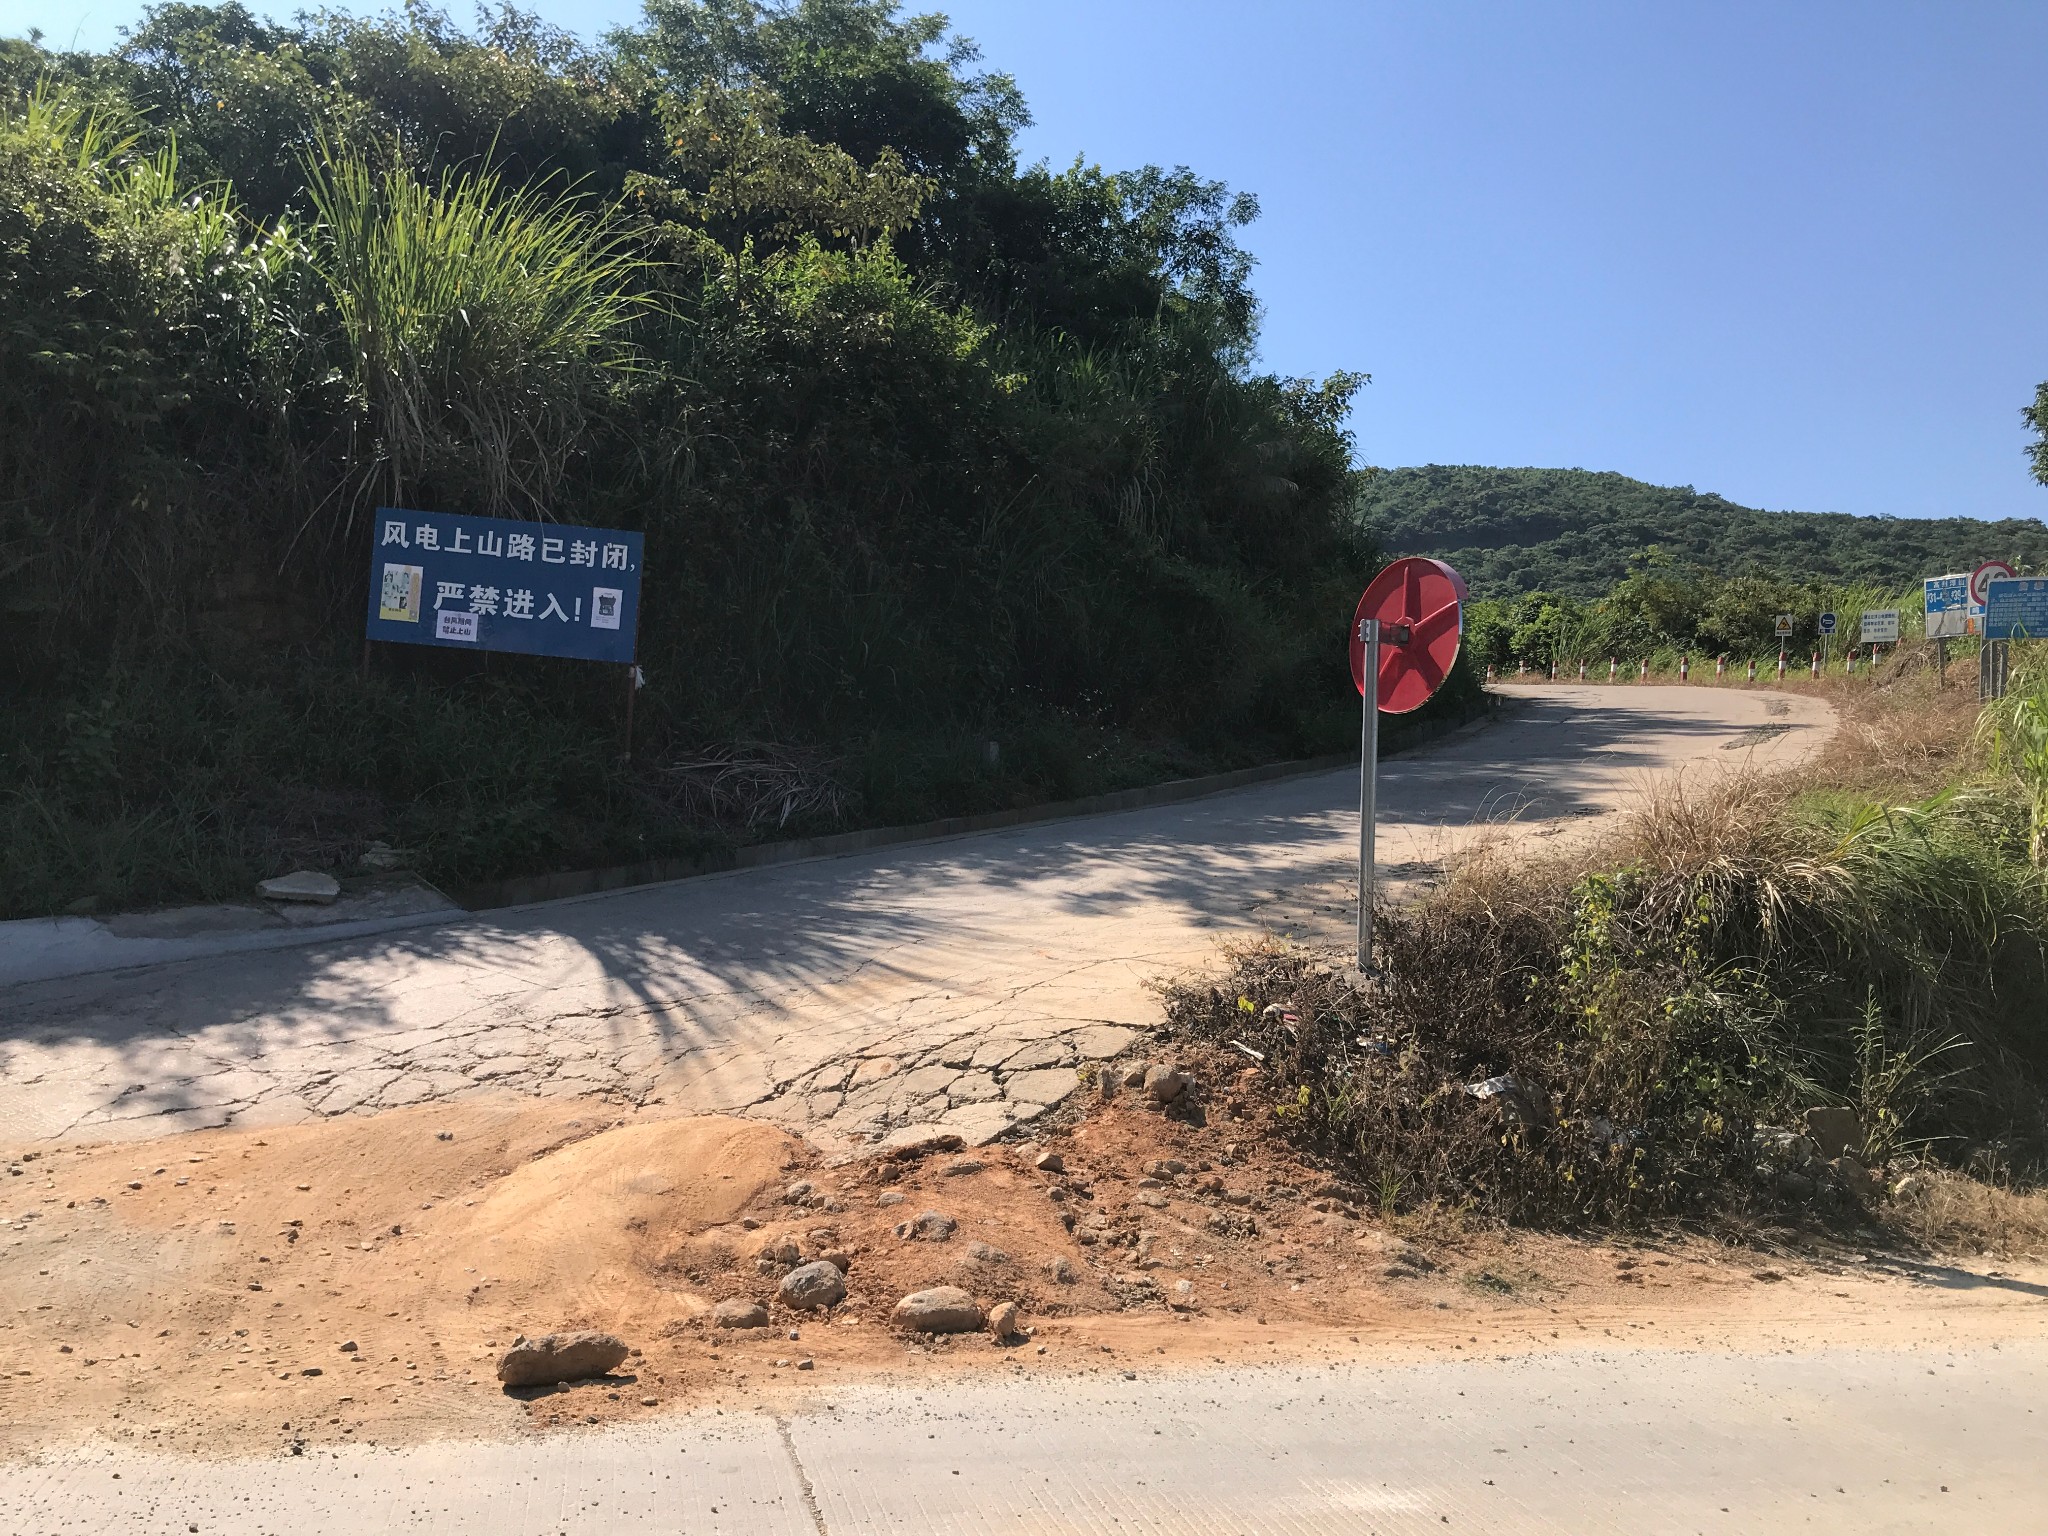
(1785, 252)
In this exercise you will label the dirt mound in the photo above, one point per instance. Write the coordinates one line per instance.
(203, 1292)
(208, 1282)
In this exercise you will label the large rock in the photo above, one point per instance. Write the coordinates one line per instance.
(560, 1357)
(942, 1309)
(302, 885)
(738, 1312)
(1835, 1131)
(811, 1286)
(1005, 1320)
(1856, 1178)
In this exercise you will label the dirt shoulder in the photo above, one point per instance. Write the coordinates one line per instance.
(198, 1292)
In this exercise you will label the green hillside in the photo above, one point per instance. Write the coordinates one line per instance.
(1575, 531)
(958, 489)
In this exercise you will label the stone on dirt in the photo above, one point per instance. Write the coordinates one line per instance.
(942, 1309)
(778, 1256)
(814, 1285)
(1005, 1320)
(1061, 1269)
(1165, 1083)
(560, 1357)
(928, 1227)
(982, 1253)
(1049, 1162)
(738, 1312)
(302, 885)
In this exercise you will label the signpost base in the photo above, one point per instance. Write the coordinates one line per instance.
(1368, 790)
(1992, 665)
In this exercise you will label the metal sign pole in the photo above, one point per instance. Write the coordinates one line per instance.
(1368, 787)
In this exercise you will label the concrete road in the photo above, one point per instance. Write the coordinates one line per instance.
(957, 982)
(1636, 1442)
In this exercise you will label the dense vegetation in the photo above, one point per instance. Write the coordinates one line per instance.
(1647, 1022)
(1577, 533)
(1663, 610)
(931, 449)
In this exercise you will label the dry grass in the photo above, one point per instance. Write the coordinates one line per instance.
(1862, 931)
(1949, 1212)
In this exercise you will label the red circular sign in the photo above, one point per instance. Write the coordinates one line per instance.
(1982, 577)
(1426, 598)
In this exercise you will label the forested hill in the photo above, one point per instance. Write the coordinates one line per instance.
(1574, 531)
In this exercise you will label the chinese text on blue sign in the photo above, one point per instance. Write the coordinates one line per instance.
(492, 584)
(2016, 609)
(1950, 613)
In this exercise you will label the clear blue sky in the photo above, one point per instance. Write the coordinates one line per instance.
(1790, 253)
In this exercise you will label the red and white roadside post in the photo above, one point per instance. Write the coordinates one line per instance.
(1643, 672)
(1613, 668)
(1684, 668)
(1404, 642)
(1752, 669)
(1720, 666)
(1816, 663)
(1582, 669)
(1781, 663)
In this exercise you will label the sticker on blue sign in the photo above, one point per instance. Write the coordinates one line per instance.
(1950, 612)
(496, 584)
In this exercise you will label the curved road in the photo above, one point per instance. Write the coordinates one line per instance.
(957, 982)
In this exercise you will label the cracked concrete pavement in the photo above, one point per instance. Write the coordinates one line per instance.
(960, 983)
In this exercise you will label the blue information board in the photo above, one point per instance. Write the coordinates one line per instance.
(2016, 608)
(494, 584)
(1950, 613)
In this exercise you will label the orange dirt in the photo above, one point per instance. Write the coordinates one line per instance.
(205, 1309)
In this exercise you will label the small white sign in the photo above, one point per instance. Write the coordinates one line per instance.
(1784, 623)
(450, 625)
(1881, 626)
(607, 607)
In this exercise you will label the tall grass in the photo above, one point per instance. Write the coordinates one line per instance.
(2015, 728)
(482, 322)
(1743, 947)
